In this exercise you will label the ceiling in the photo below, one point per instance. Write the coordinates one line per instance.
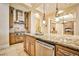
(49, 7)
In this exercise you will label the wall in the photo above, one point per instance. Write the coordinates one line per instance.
(4, 26)
(59, 29)
(32, 23)
(77, 21)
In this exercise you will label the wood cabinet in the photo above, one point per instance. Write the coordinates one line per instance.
(38, 48)
(29, 45)
(27, 18)
(19, 14)
(69, 28)
(19, 38)
(13, 38)
(32, 44)
(64, 51)
(11, 14)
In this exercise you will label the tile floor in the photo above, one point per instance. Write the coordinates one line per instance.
(14, 50)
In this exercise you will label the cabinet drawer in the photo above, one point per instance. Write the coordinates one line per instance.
(65, 52)
(19, 38)
(32, 39)
(60, 50)
(11, 38)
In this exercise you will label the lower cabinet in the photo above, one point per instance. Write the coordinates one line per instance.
(19, 38)
(38, 48)
(32, 50)
(64, 51)
(13, 38)
(29, 45)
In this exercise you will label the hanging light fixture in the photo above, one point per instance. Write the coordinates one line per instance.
(57, 14)
(44, 14)
(58, 11)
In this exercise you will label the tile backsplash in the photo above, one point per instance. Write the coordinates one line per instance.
(75, 37)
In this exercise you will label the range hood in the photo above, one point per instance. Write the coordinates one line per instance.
(19, 22)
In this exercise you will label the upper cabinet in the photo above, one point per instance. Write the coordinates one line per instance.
(19, 15)
(27, 19)
(11, 14)
(69, 27)
(19, 20)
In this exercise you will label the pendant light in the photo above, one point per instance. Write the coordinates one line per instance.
(57, 14)
(44, 14)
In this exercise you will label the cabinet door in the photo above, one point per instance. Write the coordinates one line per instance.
(32, 45)
(32, 50)
(19, 38)
(27, 16)
(11, 38)
(27, 44)
(63, 51)
(26, 20)
(11, 9)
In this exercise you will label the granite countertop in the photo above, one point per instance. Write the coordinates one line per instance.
(55, 40)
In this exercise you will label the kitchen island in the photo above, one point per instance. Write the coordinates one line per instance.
(62, 47)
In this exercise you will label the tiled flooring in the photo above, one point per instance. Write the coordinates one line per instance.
(14, 50)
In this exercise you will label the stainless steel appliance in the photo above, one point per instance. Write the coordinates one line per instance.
(44, 49)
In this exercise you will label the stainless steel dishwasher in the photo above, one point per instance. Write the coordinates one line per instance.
(44, 49)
